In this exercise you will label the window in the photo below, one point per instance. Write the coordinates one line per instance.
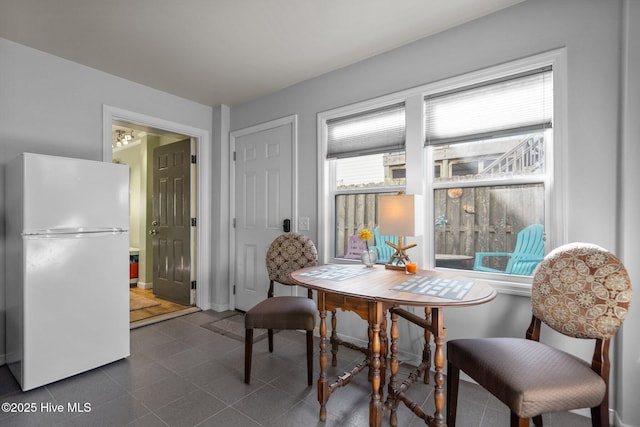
(365, 151)
(487, 157)
(494, 131)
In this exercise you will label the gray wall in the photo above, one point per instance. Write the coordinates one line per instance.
(592, 33)
(52, 106)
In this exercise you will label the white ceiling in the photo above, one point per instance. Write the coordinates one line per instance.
(227, 51)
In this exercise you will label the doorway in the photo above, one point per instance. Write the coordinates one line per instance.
(135, 146)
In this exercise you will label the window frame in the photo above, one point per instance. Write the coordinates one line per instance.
(420, 164)
(327, 175)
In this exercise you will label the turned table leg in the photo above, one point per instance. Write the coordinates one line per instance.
(426, 352)
(323, 386)
(439, 335)
(393, 383)
(375, 405)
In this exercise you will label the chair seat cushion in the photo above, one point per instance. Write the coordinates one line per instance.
(282, 313)
(530, 377)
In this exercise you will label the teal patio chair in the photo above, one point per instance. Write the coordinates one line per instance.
(528, 253)
(383, 250)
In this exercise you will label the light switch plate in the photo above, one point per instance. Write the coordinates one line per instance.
(303, 223)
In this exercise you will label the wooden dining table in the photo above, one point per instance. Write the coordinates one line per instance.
(373, 294)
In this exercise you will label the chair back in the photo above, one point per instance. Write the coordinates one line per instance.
(529, 251)
(356, 247)
(384, 251)
(288, 253)
(581, 290)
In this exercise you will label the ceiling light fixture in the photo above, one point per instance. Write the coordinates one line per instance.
(122, 137)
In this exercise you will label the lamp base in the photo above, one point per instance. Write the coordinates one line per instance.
(399, 255)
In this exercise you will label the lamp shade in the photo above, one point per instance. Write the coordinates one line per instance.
(400, 215)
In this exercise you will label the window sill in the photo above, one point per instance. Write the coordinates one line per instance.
(502, 283)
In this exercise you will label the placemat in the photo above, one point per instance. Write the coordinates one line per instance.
(337, 272)
(436, 286)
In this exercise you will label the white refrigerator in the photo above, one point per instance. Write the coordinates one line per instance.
(67, 267)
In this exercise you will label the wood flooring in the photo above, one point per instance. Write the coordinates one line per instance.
(145, 313)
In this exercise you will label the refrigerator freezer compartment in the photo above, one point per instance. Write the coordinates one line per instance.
(65, 233)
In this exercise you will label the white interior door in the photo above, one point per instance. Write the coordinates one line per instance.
(264, 192)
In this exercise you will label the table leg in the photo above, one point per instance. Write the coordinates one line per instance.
(323, 386)
(375, 405)
(370, 349)
(384, 350)
(393, 418)
(383, 353)
(334, 338)
(439, 335)
(426, 352)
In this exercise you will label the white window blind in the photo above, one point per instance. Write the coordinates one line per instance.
(511, 105)
(370, 132)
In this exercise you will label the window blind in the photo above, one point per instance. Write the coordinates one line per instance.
(370, 132)
(507, 106)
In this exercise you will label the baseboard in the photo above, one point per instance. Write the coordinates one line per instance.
(618, 422)
(145, 285)
(216, 307)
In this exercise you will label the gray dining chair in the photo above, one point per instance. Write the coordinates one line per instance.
(286, 254)
(580, 290)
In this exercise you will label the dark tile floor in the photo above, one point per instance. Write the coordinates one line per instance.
(181, 374)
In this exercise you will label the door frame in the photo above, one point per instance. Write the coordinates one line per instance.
(291, 120)
(203, 185)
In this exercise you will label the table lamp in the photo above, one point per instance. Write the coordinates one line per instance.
(400, 215)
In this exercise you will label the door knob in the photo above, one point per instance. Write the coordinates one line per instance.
(153, 232)
(286, 225)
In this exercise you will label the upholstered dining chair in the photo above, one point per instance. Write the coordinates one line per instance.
(580, 290)
(287, 253)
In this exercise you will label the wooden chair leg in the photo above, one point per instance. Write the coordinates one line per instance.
(537, 420)
(248, 353)
(600, 414)
(270, 335)
(516, 421)
(453, 380)
(309, 357)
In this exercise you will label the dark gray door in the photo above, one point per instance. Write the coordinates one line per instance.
(172, 222)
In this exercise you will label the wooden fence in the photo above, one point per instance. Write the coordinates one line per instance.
(469, 220)
(485, 219)
(353, 213)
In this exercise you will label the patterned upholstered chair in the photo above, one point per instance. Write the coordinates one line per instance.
(287, 253)
(581, 291)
